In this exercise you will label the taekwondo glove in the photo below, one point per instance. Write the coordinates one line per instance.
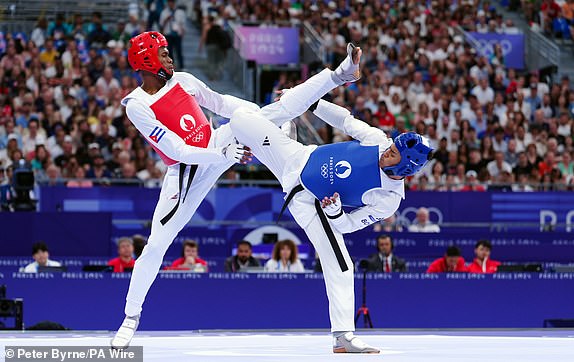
(332, 206)
(234, 152)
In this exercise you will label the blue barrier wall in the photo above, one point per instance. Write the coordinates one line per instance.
(92, 235)
(183, 301)
(71, 234)
(67, 234)
(264, 204)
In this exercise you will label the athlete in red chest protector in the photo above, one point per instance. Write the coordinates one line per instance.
(166, 110)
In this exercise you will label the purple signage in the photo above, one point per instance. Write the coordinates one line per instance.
(512, 47)
(269, 45)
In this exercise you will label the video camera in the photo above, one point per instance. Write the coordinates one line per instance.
(22, 184)
(11, 308)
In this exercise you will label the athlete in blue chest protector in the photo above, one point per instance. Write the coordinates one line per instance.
(366, 174)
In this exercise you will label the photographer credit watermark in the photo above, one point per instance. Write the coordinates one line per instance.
(72, 354)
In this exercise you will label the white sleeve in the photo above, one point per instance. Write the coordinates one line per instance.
(30, 268)
(384, 204)
(168, 142)
(269, 266)
(221, 104)
(340, 118)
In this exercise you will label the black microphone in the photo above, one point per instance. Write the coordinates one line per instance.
(363, 264)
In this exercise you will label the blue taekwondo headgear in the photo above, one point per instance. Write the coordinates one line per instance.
(415, 153)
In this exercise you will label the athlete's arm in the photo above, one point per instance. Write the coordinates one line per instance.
(168, 142)
(339, 117)
(222, 104)
(384, 204)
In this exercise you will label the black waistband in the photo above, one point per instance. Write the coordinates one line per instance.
(182, 168)
(331, 236)
(292, 193)
(324, 223)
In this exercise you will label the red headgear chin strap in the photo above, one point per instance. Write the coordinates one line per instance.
(143, 53)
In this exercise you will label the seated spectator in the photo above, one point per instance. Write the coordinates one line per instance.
(498, 166)
(139, 243)
(547, 165)
(125, 260)
(42, 258)
(482, 262)
(502, 183)
(385, 118)
(98, 168)
(522, 185)
(388, 225)
(423, 224)
(566, 166)
(48, 56)
(549, 11)
(472, 183)
(452, 261)
(384, 260)
(190, 259)
(242, 259)
(80, 179)
(284, 258)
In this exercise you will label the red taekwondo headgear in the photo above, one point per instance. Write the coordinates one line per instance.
(143, 53)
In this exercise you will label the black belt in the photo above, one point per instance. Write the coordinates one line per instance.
(324, 222)
(292, 193)
(331, 236)
(182, 167)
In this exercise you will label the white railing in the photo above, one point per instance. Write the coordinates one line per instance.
(540, 52)
(237, 67)
(314, 41)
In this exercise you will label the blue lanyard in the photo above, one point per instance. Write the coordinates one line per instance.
(279, 263)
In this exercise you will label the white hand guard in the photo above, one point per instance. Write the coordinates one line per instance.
(334, 209)
(347, 71)
(234, 152)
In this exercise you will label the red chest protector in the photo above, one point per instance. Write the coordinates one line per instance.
(178, 111)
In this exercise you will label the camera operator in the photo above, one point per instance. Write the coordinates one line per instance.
(17, 191)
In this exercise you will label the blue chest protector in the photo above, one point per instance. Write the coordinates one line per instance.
(347, 168)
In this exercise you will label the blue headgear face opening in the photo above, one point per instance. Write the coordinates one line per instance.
(415, 153)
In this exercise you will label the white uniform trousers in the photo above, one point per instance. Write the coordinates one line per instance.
(161, 237)
(284, 156)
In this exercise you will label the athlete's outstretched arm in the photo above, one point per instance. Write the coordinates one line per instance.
(381, 204)
(222, 104)
(340, 118)
(170, 144)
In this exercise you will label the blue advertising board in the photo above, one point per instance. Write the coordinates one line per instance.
(276, 301)
(245, 204)
(512, 47)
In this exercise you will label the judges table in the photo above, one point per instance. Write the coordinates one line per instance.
(184, 301)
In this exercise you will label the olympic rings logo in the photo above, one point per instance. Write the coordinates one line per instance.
(486, 47)
(409, 215)
(325, 170)
(198, 137)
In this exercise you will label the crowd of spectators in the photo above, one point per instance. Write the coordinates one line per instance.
(552, 18)
(60, 91)
(492, 126)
